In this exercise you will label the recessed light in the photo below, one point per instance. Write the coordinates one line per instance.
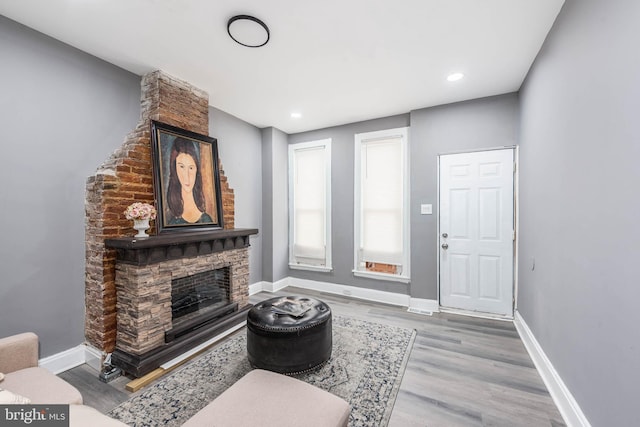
(296, 115)
(454, 77)
(248, 31)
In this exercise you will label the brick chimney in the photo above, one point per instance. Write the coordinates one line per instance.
(126, 177)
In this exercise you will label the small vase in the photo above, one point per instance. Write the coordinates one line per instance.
(142, 225)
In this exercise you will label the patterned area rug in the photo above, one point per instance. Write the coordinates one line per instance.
(365, 369)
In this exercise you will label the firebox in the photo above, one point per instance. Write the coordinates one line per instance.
(199, 299)
(193, 295)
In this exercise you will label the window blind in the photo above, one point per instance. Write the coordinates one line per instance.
(382, 201)
(309, 205)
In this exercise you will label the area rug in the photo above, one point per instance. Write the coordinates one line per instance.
(365, 369)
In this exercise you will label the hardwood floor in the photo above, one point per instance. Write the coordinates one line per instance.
(462, 371)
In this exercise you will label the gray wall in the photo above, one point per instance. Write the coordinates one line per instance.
(240, 150)
(266, 232)
(579, 205)
(63, 112)
(483, 123)
(342, 158)
(275, 222)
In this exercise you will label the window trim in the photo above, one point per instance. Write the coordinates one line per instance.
(360, 138)
(326, 144)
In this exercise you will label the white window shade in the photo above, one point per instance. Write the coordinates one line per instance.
(382, 200)
(309, 203)
(309, 197)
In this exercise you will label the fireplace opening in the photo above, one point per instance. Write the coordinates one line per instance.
(198, 300)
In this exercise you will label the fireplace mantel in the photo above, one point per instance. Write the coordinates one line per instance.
(165, 247)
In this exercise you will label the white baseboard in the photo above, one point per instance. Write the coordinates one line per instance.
(351, 291)
(93, 357)
(64, 360)
(257, 287)
(567, 405)
(275, 286)
(420, 305)
(268, 286)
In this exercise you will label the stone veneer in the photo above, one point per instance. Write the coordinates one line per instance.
(126, 177)
(144, 295)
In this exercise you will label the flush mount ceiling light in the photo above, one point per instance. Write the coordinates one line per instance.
(248, 31)
(454, 77)
(296, 115)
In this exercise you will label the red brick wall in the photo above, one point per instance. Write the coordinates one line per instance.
(381, 268)
(127, 177)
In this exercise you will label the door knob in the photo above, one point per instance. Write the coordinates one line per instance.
(445, 246)
(445, 235)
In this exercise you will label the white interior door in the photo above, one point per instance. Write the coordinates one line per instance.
(477, 231)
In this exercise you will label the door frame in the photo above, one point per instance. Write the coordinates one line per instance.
(516, 224)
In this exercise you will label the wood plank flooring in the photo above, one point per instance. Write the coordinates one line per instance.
(462, 371)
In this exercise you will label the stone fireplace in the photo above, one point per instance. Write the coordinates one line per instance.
(158, 276)
(119, 275)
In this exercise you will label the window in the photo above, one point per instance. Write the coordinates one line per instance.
(382, 205)
(310, 205)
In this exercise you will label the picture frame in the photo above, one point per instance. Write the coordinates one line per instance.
(186, 179)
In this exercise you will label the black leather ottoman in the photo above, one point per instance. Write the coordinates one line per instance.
(289, 334)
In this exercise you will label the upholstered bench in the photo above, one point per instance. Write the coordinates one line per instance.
(264, 398)
(289, 334)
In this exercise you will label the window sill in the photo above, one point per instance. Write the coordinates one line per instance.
(381, 276)
(321, 269)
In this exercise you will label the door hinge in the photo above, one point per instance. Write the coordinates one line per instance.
(513, 235)
(514, 167)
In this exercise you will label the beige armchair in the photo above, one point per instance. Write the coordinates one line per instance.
(22, 376)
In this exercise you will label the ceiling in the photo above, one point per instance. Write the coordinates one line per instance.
(332, 61)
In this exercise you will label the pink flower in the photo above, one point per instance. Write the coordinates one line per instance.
(139, 210)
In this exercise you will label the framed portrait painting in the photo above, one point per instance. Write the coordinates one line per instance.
(186, 179)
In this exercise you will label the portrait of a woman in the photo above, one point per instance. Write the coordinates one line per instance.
(185, 195)
(186, 179)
